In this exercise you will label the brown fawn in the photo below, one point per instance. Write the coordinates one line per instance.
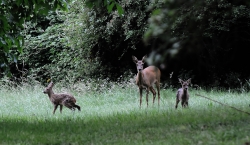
(182, 93)
(146, 78)
(62, 99)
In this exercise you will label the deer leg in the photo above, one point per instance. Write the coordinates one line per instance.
(61, 106)
(70, 106)
(147, 96)
(183, 104)
(177, 101)
(55, 107)
(67, 103)
(154, 93)
(78, 107)
(158, 91)
(140, 89)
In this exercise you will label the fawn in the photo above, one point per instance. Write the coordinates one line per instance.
(62, 99)
(182, 93)
(146, 78)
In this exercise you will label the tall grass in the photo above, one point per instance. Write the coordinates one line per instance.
(112, 116)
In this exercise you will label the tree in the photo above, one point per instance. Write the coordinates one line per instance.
(13, 14)
(205, 38)
(107, 34)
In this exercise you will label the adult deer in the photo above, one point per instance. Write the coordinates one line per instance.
(146, 78)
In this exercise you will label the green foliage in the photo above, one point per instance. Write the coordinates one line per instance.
(108, 34)
(48, 54)
(42, 45)
(205, 37)
(108, 3)
(13, 15)
(204, 40)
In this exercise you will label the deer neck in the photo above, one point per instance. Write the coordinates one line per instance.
(185, 91)
(50, 93)
(140, 78)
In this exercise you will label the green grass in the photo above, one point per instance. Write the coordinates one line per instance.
(113, 116)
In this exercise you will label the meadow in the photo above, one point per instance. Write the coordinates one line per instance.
(113, 116)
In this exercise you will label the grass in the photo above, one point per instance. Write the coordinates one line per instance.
(113, 116)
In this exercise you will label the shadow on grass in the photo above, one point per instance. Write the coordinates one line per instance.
(143, 127)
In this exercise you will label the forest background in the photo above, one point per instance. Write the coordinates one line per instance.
(203, 40)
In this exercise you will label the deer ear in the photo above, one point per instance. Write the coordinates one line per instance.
(189, 80)
(134, 59)
(180, 80)
(51, 84)
(144, 57)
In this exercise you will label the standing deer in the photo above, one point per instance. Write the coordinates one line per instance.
(146, 78)
(62, 99)
(182, 93)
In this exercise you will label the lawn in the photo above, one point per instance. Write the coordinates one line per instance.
(113, 116)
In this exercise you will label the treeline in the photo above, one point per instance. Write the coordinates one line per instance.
(203, 40)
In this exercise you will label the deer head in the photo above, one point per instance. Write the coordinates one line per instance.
(139, 63)
(48, 88)
(185, 84)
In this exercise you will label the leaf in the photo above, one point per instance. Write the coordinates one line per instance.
(26, 2)
(2, 65)
(89, 4)
(44, 11)
(110, 7)
(156, 12)
(119, 9)
(15, 58)
(19, 45)
(18, 2)
(6, 48)
(105, 2)
(63, 5)
(2, 41)
(4, 22)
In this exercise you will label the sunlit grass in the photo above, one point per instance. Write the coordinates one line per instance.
(112, 116)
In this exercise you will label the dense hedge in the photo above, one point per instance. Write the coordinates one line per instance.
(14, 13)
(84, 43)
(110, 37)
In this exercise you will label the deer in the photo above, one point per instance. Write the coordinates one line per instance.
(61, 99)
(182, 93)
(146, 78)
